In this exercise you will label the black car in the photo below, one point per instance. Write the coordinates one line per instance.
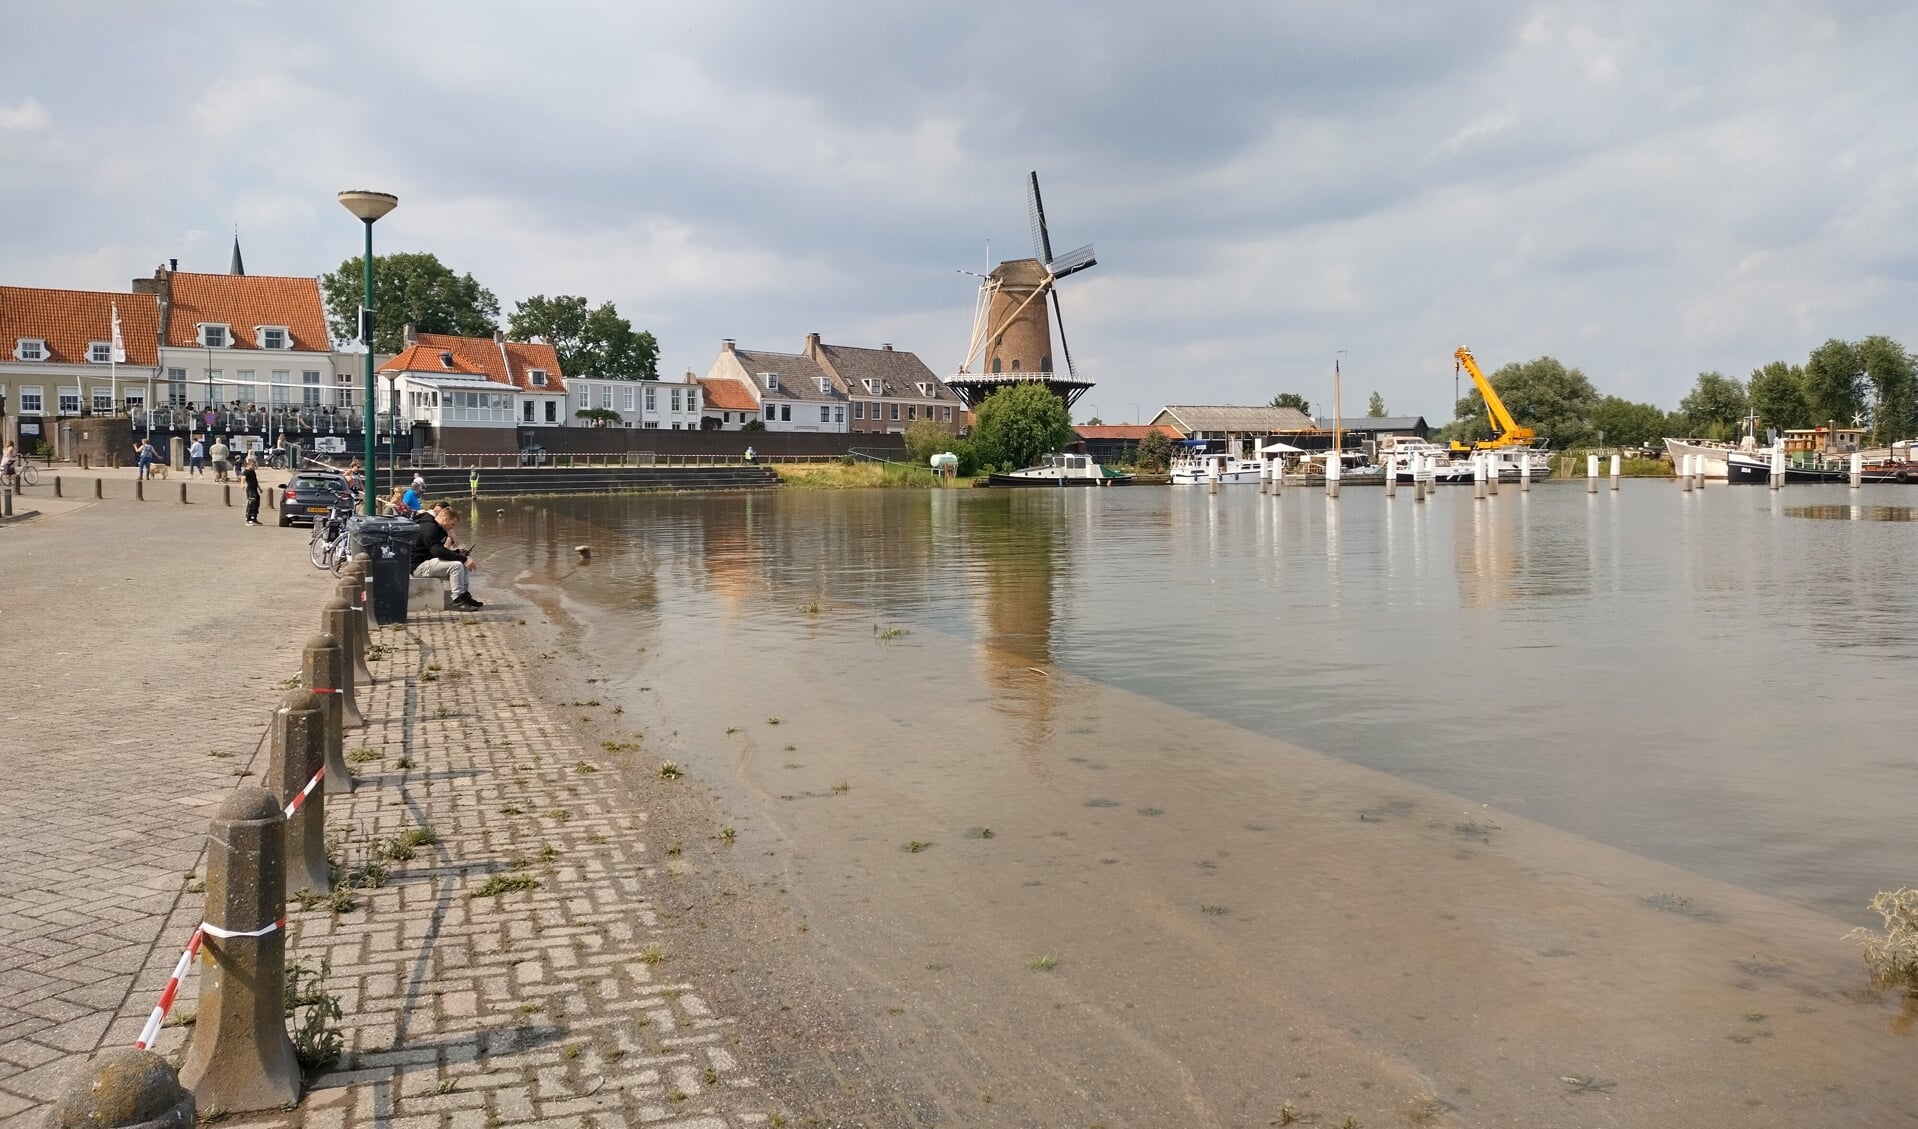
(310, 495)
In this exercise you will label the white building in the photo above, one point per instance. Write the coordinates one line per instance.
(654, 405)
(242, 340)
(791, 391)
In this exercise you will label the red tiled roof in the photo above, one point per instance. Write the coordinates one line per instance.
(728, 395)
(506, 362)
(1126, 431)
(242, 302)
(69, 321)
(427, 359)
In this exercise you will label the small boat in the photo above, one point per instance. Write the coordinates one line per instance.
(1754, 468)
(1193, 467)
(1062, 470)
(1450, 467)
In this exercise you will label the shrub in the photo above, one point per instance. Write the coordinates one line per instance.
(1892, 956)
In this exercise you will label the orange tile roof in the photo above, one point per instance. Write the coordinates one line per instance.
(1126, 431)
(69, 321)
(427, 359)
(509, 364)
(242, 302)
(728, 395)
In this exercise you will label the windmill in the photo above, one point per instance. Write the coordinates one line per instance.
(1011, 327)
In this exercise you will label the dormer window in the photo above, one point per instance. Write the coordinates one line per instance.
(30, 349)
(772, 381)
(537, 377)
(273, 337)
(100, 352)
(213, 336)
(872, 387)
(825, 386)
(925, 390)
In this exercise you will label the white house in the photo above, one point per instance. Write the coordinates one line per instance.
(455, 401)
(654, 405)
(229, 339)
(792, 391)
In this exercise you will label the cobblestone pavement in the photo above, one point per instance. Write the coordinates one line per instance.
(552, 1001)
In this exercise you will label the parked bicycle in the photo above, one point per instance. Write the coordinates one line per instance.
(331, 540)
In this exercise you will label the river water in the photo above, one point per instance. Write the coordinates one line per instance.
(1640, 726)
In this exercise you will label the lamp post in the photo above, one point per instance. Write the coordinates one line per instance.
(368, 207)
(1135, 414)
(209, 374)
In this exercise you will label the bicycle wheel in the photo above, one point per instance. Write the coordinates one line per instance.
(321, 549)
(338, 549)
(28, 474)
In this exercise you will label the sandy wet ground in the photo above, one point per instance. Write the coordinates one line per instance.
(988, 893)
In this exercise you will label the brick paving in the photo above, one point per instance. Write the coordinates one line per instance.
(558, 1004)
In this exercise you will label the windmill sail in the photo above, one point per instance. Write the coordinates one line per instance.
(1059, 316)
(1041, 239)
(1072, 262)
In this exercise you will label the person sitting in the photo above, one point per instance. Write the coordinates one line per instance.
(397, 506)
(411, 497)
(436, 555)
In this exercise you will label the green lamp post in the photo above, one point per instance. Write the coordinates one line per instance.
(368, 207)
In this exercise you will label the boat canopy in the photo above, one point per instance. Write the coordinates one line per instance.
(1282, 449)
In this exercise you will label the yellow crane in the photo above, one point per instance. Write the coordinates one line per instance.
(1509, 433)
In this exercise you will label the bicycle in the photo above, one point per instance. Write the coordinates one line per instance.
(25, 474)
(331, 544)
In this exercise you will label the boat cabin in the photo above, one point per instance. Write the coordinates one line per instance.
(1823, 440)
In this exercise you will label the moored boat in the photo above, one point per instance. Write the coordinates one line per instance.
(1194, 467)
(1062, 470)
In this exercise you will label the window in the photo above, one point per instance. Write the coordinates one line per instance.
(652, 425)
(872, 387)
(925, 390)
(213, 336)
(692, 399)
(825, 385)
(308, 376)
(277, 392)
(477, 407)
(552, 411)
(538, 378)
(176, 395)
(675, 399)
(859, 409)
(629, 398)
(100, 352)
(1015, 364)
(650, 406)
(785, 413)
(526, 411)
(995, 364)
(948, 415)
(69, 401)
(606, 396)
(30, 349)
(895, 410)
(343, 397)
(137, 399)
(770, 409)
(912, 411)
(272, 337)
(772, 381)
(32, 400)
(825, 413)
(102, 399)
(1045, 363)
(839, 414)
(310, 396)
(585, 397)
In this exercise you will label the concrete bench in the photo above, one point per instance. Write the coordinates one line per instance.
(422, 591)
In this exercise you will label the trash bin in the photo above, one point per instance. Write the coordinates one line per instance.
(389, 542)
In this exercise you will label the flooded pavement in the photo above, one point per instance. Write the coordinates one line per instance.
(1146, 807)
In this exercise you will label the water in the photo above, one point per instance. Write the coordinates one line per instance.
(1700, 678)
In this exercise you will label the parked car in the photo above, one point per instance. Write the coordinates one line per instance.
(309, 496)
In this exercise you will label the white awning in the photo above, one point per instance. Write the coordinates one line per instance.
(1282, 449)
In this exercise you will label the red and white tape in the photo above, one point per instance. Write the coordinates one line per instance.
(152, 1030)
(293, 805)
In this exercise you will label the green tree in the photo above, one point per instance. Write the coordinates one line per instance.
(1095, 421)
(1155, 451)
(1715, 407)
(1777, 394)
(1292, 400)
(1541, 394)
(408, 286)
(1626, 423)
(1375, 409)
(590, 341)
(1894, 385)
(1834, 382)
(1015, 426)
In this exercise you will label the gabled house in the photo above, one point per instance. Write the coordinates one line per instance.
(792, 391)
(475, 394)
(242, 340)
(1238, 427)
(729, 404)
(56, 356)
(888, 389)
(530, 368)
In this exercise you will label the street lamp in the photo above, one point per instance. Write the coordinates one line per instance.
(209, 376)
(368, 207)
(1135, 414)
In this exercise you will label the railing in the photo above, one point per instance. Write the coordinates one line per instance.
(254, 420)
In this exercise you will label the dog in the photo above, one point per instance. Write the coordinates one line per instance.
(158, 469)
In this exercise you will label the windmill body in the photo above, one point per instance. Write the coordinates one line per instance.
(1012, 326)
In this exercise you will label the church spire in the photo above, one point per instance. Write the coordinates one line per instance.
(236, 266)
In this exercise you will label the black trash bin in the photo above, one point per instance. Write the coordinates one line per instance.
(389, 542)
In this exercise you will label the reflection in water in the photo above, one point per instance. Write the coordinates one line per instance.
(1017, 539)
(1851, 513)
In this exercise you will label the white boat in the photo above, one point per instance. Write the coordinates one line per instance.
(1711, 452)
(1455, 467)
(1062, 470)
(1200, 467)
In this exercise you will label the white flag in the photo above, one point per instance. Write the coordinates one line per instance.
(119, 343)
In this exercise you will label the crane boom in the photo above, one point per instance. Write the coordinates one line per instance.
(1510, 434)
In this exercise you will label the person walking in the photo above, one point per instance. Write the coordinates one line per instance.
(220, 464)
(252, 477)
(144, 454)
(196, 456)
(9, 460)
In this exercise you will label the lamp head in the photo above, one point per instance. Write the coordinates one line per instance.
(368, 206)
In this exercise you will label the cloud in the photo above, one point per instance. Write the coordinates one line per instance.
(29, 114)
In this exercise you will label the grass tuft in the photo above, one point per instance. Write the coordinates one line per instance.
(506, 883)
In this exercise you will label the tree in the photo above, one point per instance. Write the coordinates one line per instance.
(1894, 385)
(1834, 382)
(1629, 424)
(1014, 426)
(594, 342)
(1375, 409)
(408, 286)
(1155, 451)
(1777, 395)
(1095, 421)
(1715, 407)
(1541, 393)
(1292, 400)
(927, 438)
(599, 417)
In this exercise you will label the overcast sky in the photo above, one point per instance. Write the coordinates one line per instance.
(1642, 189)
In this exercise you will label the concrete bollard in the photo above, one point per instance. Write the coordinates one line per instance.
(336, 619)
(125, 1088)
(1212, 484)
(99, 488)
(139, 490)
(183, 493)
(1491, 474)
(56, 487)
(1617, 468)
(226, 495)
(1857, 470)
(1478, 476)
(1265, 479)
(353, 590)
(240, 1059)
(1391, 477)
(323, 669)
(1333, 466)
(299, 751)
(1685, 473)
(1591, 474)
(1525, 473)
(1777, 465)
